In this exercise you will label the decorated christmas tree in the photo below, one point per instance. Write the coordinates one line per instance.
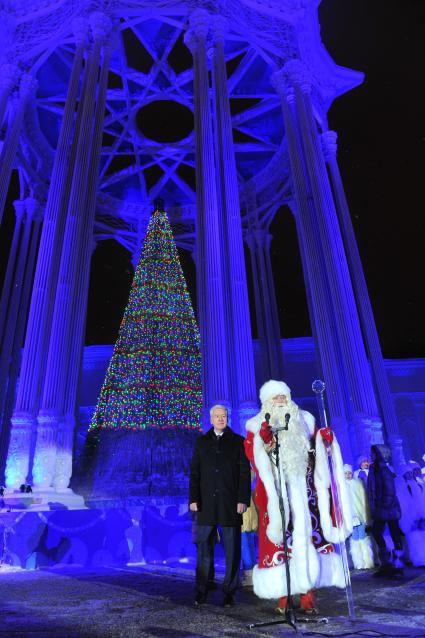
(154, 377)
(150, 402)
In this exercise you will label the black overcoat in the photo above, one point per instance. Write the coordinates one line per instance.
(383, 501)
(220, 478)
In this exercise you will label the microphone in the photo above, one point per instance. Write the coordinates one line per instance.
(284, 427)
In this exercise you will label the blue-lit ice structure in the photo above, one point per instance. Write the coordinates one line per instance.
(104, 107)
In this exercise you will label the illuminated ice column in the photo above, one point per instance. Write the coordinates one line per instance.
(51, 414)
(27, 209)
(263, 371)
(273, 335)
(329, 143)
(63, 468)
(316, 285)
(210, 288)
(361, 397)
(237, 305)
(266, 311)
(27, 88)
(8, 77)
(19, 206)
(39, 321)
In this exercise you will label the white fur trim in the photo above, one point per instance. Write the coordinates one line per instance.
(322, 481)
(331, 571)
(270, 582)
(358, 499)
(272, 389)
(304, 555)
(366, 547)
(264, 467)
(356, 554)
(309, 422)
(254, 424)
(362, 553)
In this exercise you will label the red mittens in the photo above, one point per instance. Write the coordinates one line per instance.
(327, 435)
(266, 432)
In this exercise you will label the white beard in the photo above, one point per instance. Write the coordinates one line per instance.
(294, 443)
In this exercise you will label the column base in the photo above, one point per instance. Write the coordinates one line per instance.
(17, 464)
(397, 452)
(243, 414)
(43, 470)
(42, 500)
(368, 431)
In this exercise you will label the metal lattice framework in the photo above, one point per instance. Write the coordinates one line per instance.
(220, 109)
(150, 65)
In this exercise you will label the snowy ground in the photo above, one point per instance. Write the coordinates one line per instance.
(157, 602)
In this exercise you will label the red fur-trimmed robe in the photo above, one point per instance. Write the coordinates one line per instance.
(311, 531)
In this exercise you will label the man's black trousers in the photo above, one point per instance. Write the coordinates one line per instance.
(231, 537)
(396, 534)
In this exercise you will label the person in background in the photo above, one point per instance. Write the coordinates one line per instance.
(411, 494)
(360, 542)
(420, 489)
(385, 511)
(362, 472)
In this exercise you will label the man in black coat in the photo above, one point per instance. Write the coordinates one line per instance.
(220, 492)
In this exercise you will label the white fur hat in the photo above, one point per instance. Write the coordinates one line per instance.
(272, 389)
(348, 468)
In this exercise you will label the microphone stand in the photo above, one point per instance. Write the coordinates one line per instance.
(290, 617)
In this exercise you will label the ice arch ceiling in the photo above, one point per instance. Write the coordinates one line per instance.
(148, 136)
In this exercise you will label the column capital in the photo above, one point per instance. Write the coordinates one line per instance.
(329, 144)
(80, 30)
(32, 207)
(190, 40)
(298, 75)
(262, 237)
(200, 23)
(294, 74)
(101, 25)
(19, 206)
(220, 27)
(111, 42)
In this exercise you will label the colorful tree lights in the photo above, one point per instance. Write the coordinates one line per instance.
(154, 376)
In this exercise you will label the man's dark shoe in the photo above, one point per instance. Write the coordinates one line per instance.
(201, 599)
(228, 600)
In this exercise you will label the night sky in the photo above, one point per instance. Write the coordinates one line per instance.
(381, 128)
